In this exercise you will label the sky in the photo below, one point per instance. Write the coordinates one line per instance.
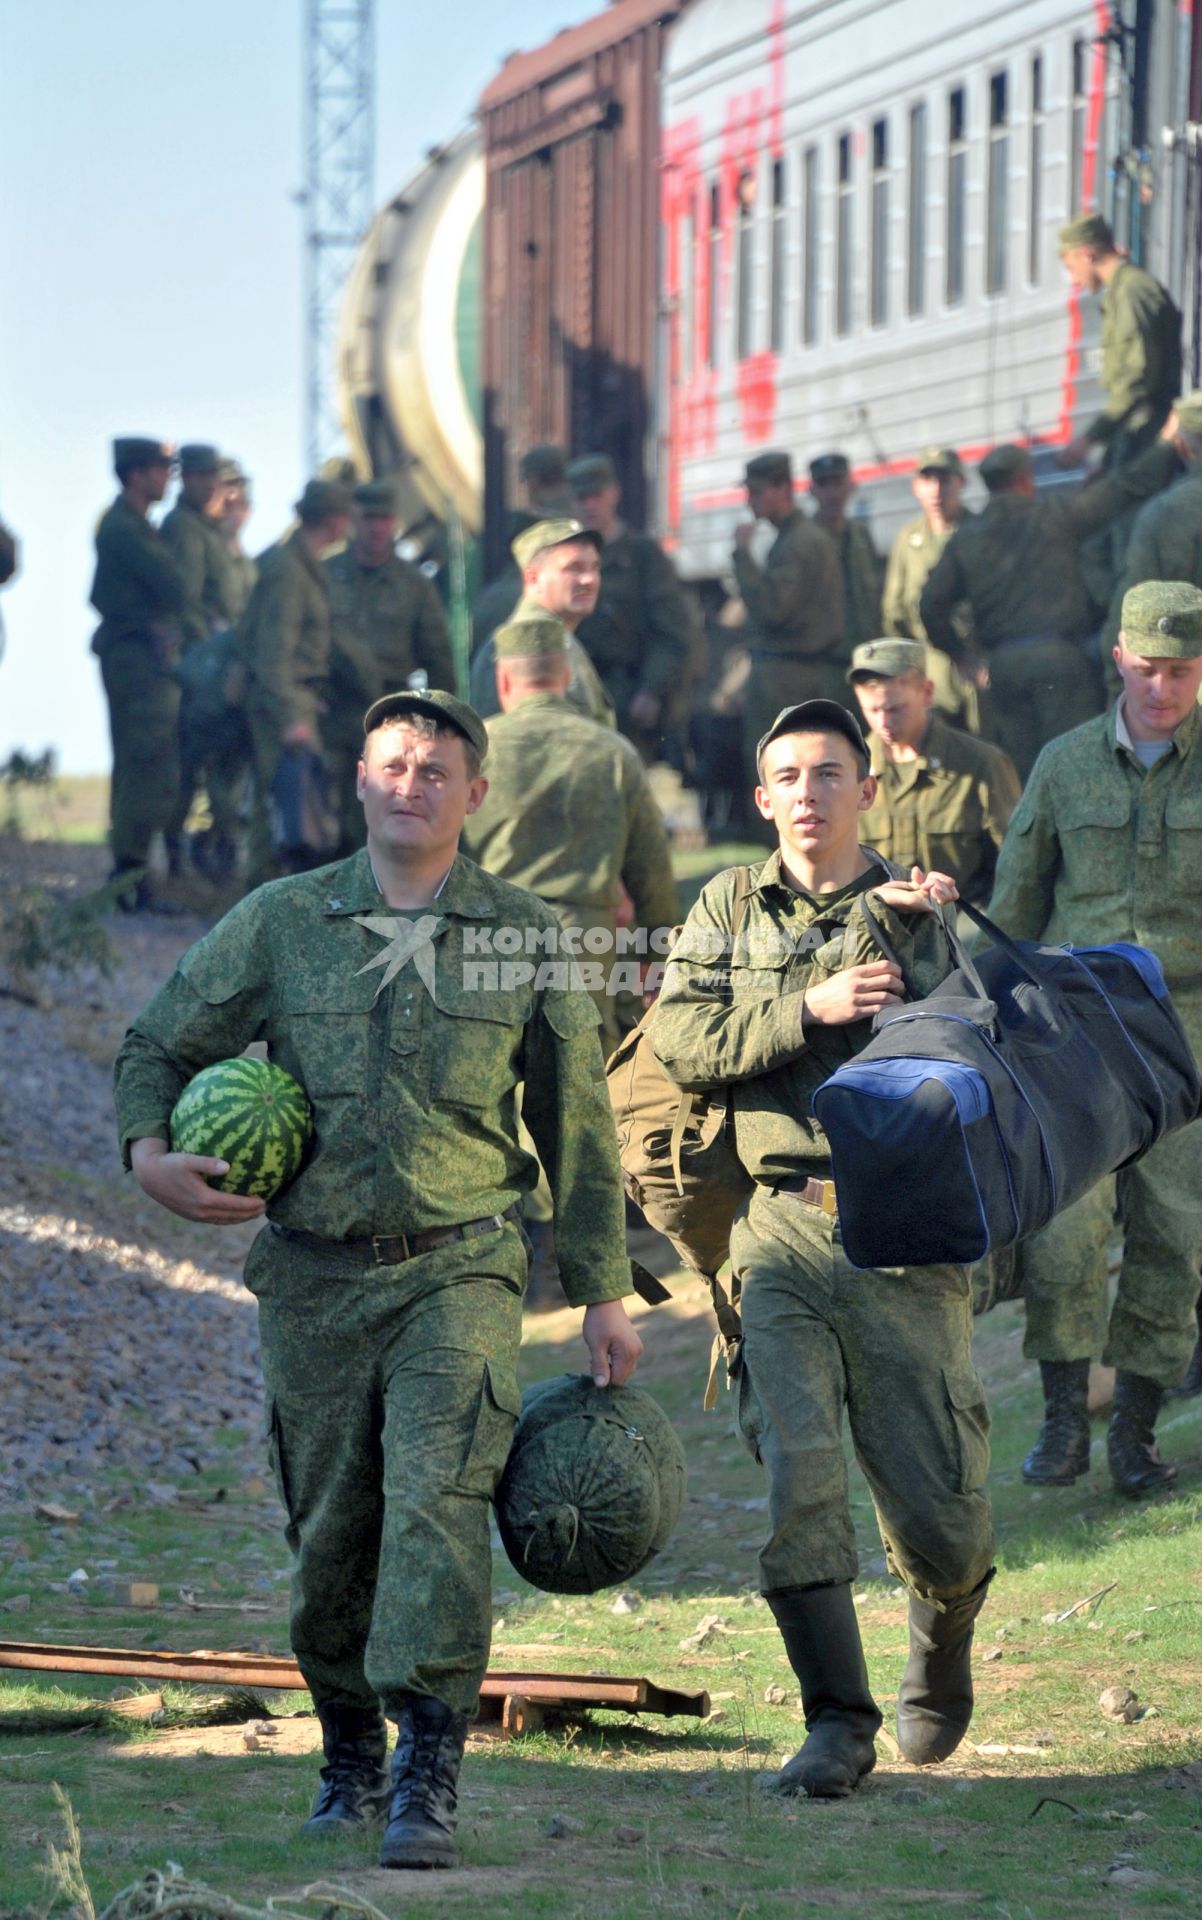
(151, 279)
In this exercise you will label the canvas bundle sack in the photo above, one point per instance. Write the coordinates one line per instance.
(976, 1114)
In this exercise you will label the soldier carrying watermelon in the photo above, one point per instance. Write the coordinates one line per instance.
(390, 1273)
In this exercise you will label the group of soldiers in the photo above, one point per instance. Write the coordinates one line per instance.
(458, 1096)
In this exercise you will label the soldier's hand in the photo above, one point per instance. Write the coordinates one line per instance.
(744, 534)
(613, 1344)
(644, 708)
(178, 1182)
(919, 893)
(855, 994)
(300, 734)
(1075, 453)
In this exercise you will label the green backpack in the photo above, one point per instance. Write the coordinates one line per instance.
(678, 1158)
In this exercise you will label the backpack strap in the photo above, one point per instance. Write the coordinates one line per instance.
(684, 1106)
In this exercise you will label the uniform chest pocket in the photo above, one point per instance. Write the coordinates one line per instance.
(1183, 822)
(1095, 841)
(324, 1046)
(477, 1044)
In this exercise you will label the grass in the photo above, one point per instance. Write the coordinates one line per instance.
(664, 1817)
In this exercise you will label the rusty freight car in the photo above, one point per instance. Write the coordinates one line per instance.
(571, 251)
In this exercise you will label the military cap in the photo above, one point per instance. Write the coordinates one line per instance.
(544, 464)
(816, 716)
(1004, 464)
(196, 457)
(1162, 620)
(768, 470)
(591, 472)
(1087, 230)
(1188, 409)
(231, 473)
(531, 639)
(550, 533)
(593, 1487)
(830, 466)
(322, 498)
(138, 450)
(442, 707)
(941, 460)
(881, 659)
(377, 497)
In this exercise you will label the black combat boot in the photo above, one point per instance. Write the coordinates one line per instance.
(354, 1780)
(425, 1781)
(822, 1639)
(934, 1701)
(1191, 1386)
(1061, 1452)
(1135, 1465)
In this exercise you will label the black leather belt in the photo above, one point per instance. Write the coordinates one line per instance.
(392, 1249)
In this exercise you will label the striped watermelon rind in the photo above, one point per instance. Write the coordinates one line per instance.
(250, 1113)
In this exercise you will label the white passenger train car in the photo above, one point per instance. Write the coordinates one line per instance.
(861, 201)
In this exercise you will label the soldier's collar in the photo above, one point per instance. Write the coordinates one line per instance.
(353, 890)
(1183, 739)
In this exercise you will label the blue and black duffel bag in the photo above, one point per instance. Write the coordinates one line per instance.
(974, 1115)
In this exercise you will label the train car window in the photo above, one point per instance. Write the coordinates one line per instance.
(1079, 123)
(996, 235)
(776, 259)
(957, 195)
(745, 267)
(844, 237)
(1035, 175)
(878, 276)
(715, 277)
(809, 246)
(688, 300)
(916, 259)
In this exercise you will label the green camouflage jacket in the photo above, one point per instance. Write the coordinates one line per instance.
(414, 1080)
(914, 554)
(794, 601)
(284, 635)
(202, 553)
(947, 810)
(585, 691)
(863, 573)
(243, 574)
(1165, 544)
(639, 634)
(386, 623)
(569, 814)
(1100, 850)
(138, 589)
(1141, 354)
(735, 1017)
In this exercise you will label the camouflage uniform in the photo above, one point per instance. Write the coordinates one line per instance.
(138, 590)
(1141, 363)
(386, 622)
(1017, 566)
(862, 570)
(640, 633)
(895, 1345)
(1102, 850)
(795, 625)
(243, 573)
(914, 554)
(569, 815)
(1165, 544)
(284, 641)
(947, 810)
(391, 1381)
(585, 692)
(211, 607)
(201, 551)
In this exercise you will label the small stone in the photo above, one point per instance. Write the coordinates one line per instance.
(626, 1603)
(1132, 1877)
(775, 1696)
(912, 1797)
(994, 1653)
(1119, 1703)
(630, 1836)
(20, 1603)
(559, 1827)
(252, 1742)
(1137, 1633)
(939, 1846)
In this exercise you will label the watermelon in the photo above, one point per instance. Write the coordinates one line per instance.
(250, 1113)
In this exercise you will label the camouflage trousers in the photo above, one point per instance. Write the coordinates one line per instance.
(1039, 689)
(391, 1403)
(893, 1346)
(143, 700)
(1151, 1328)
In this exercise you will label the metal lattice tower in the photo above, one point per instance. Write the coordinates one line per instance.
(339, 195)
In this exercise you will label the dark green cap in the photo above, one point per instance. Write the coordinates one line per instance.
(322, 498)
(530, 639)
(139, 450)
(941, 460)
(377, 498)
(550, 533)
(816, 716)
(882, 659)
(442, 707)
(1087, 230)
(592, 472)
(545, 464)
(231, 473)
(1002, 465)
(196, 457)
(768, 470)
(1162, 620)
(830, 466)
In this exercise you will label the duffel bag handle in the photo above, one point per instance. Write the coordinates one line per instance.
(960, 953)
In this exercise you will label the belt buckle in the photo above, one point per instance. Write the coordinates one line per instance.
(377, 1241)
(829, 1199)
